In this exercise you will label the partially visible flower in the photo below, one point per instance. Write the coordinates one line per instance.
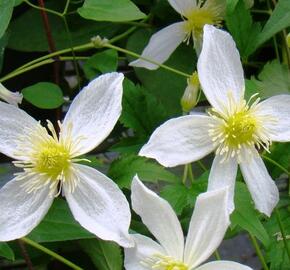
(233, 128)
(190, 95)
(49, 164)
(207, 228)
(13, 98)
(195, 15)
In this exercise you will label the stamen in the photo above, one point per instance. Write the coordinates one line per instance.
(163, 262)
(239, 126)
(49, 160)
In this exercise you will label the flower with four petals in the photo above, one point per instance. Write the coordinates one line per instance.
(49, 165)
(233, 127)
(207, 227)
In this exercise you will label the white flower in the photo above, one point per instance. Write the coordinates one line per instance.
(208, 225)
(233, 127)
(195, 16)
(10, 97)
(50, 165)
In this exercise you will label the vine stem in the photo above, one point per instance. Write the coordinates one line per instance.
(259, 252)
(278, 217)
(276, 164)
(51, 253)
(108, 45)
(185, 172)
(217, 255)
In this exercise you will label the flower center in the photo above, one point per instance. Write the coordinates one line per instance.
(162, 262)
(239, 126)
(53, 159)
(197, 18)
(49, 160)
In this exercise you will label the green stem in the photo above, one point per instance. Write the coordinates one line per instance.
(259, 252)
(108, 45)
(278, 217)
(201, 165)
(217, 255)
(190, 173)
(51, 253)
(45, 62)
(18, 72)
(276, 164)
(65, 8)
(126, 33)
(43, 9)
(76, 68)
(185, 172)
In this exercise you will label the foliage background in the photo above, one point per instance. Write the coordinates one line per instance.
(66, 60)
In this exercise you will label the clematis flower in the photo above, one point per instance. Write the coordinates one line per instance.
(162, 44)
(207, 227)
(233, 128)
(49, 164)
(10, 97)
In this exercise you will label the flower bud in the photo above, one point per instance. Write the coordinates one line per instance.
(10, 97)
(288, 40)
(190, 96)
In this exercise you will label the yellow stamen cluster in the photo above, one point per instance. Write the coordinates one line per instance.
(197, 18)
(237, 127)
(203, 14)
(49, 160)
(163, 262)
(53, 159)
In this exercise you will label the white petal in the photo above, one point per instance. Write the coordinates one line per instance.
(144, 249)
(277, 108)
(219, 68)
(183, 7)
(94, 112)
(15, 124)
(99, 206)
(13, 98)
(223, 265)
(222, 175)
(159, 217)
(20, 211)
(180, 141)
(260, 184)
(161, 45)
(207, 227)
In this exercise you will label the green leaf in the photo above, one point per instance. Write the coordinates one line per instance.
(279, 20)
(44, 95)
(246, 216)
(3, 44)
(28, 34)
(243, 29)
(141, 110)
(180, 196)
(126, 167)
(110, 10)
(274, 79)
(6, 251)
(103, 62)
(231, 4)
(280, 152)
(166, 86)
(128, 145)
(276, 253)
(105, 255)
(59, 225)
(6, 7)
